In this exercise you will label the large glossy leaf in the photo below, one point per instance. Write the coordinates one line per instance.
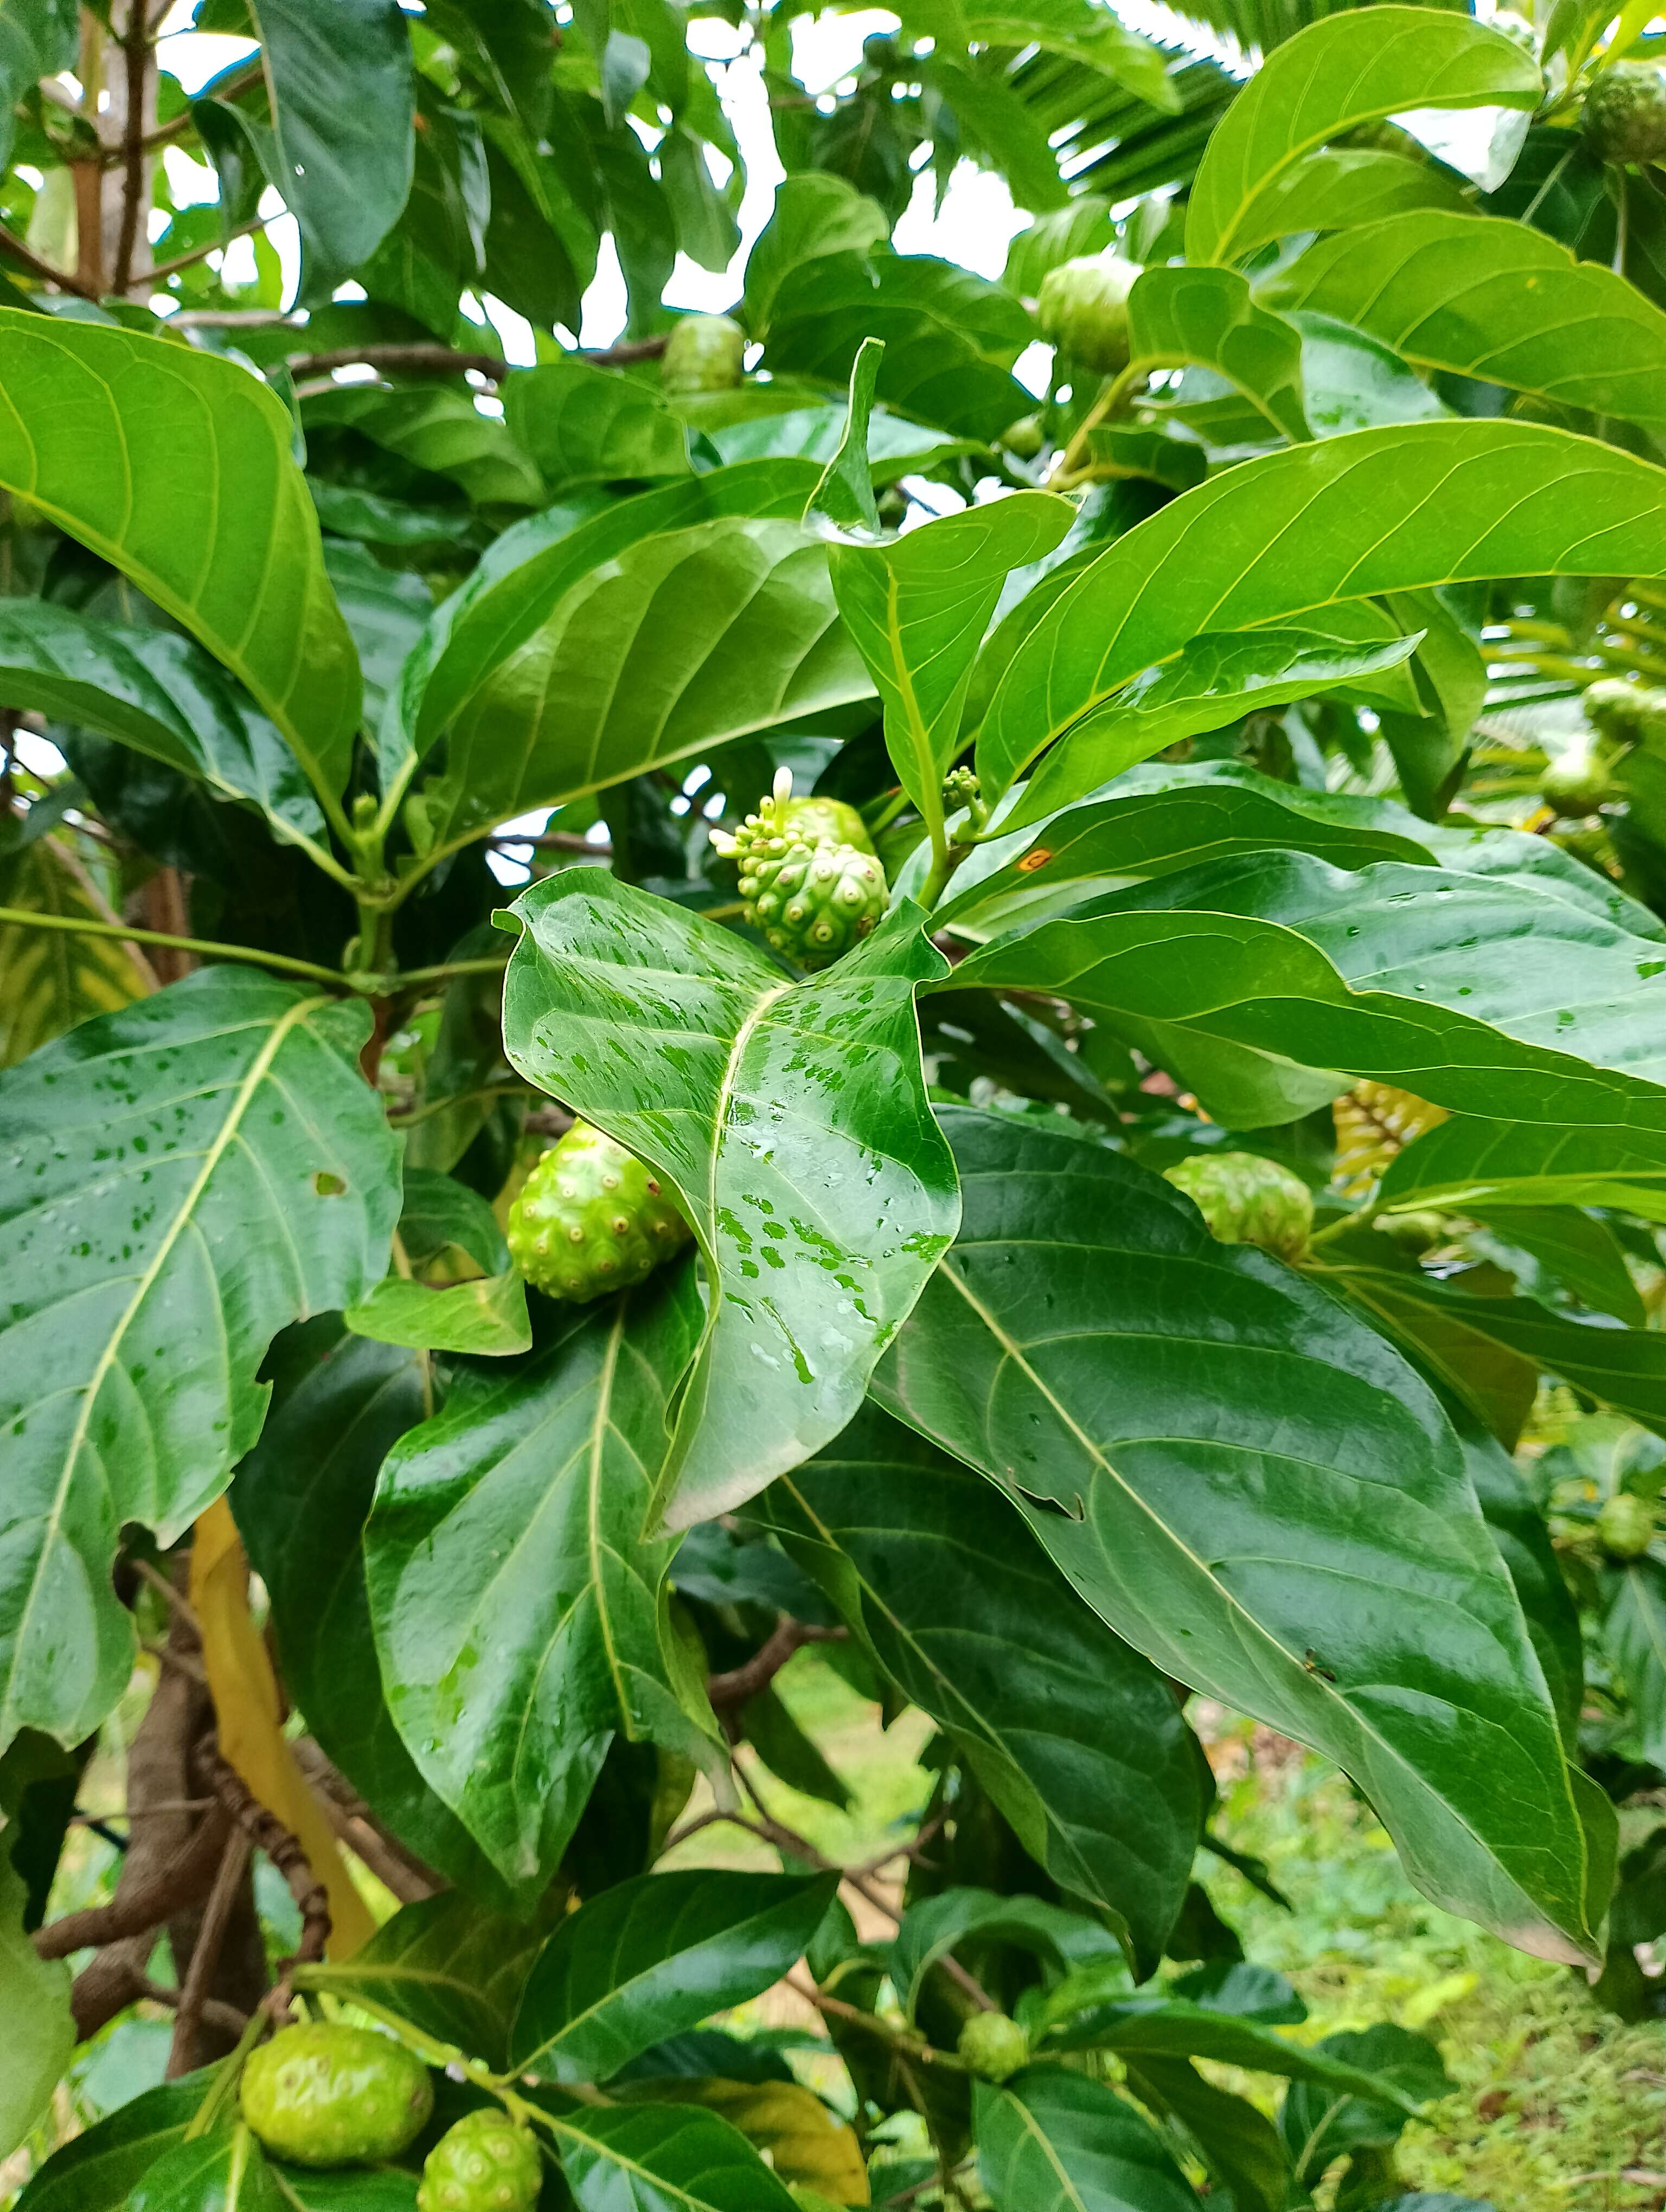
(1150, 2024)
(452, 1971)
(918, 607)
(1279, 538)
(1258, 1492)
(157, 692)
(52, 979)
(224, 2171)
(436, 427)
(1053, 2142)
(1076, 1737)
(804, 2141)
(950, 339)
(1349, 68)
(936, 1926)
(346, 162)
(1207, 316)
(1518, 1528)
(170, 1204)
(792, 1121)
(35, 1993)
(654, 1955)
(485, 1316)
(96, 2171)
(302, 1499)
(647, 2158)
(508, 1524)
(1343, 187)
(585, 425)
(1493, 300)
(815, 214)
(176, 467)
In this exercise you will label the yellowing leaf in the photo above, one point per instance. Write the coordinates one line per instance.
(802, 2140)
(1373, 1122)
(247, 1710)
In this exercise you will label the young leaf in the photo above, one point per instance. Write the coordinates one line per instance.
(1053, 2142)
(41, 2034)
(1492, 300)
(791, 1121)
(452, 1971)
(843, 499)
(585, 425)
(486, 1317)
(1279, 538)
(1344, 71)
(123, 441)
(302, 1499)
(170, 1207)
(346, 162)
(816, 213)
(1076, 1737)
(654, 1955)
(1082, 1287)
(653, 2160)
(1207, 316)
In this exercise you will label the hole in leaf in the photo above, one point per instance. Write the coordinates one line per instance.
(327, 1185)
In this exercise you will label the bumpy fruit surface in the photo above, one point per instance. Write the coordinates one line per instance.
(1625, 1525)
(592, 1217)
(827, 822)
(1246, 1200)
(1625, 113)
(813, 902)
(323, 2094)
(484, 2164)
(993, 2045)
(1083, 309)
(704, 353)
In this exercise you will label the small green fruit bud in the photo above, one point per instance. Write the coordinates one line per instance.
(1617, 709)
(993, 2045)
(1625, 1525)
(704, 353)
(1246, 1200)
(1625, 113)
(484, 2164)
(1084, 309)
(1415, 1233)
(1579, 781)
(324, 2094)
(1024, 439)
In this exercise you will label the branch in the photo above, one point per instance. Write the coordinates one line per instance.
(10, 243)
(164, 269)
(135, 1909)
(205, 1954)
(137, 52)
(442, 360)
(729, 1692)
(21, 918)
(397, 1869)
(165, 133)
(905, 2045)
(284, 1849)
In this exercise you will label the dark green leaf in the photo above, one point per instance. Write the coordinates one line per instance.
(1634, 1637)
(452, 1971)
(165, 1190)
(1580, 1249)
(584, 425)
(1242, 2148)
(1053, 2142)
(936, 1926)
(1319, 2124)
(98, 2170)
(655, 1955)
(792, 1122)
(1076, 1737)
(510, 1522)
(815, 214)
(1207, 316)
(224, 2171)
(1085, 1324)
(651, 2158)
(1168, 2027)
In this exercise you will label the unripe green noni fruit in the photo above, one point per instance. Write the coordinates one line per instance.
(484, 2164)
(814, 902)
(1625, 113)
(1025, 438)
(324, 2094)
(827, 822)
(992, 2045)
(704, 353)
(1625, 1525)
(1083, 309)
(1617, 709)
(1246, 1200)
(592, 1217)
(1580, 780)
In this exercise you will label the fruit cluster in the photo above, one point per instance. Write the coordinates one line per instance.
(810, 881)
(1619, 715)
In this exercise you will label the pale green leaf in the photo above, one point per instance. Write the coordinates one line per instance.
(1208, 316)
(40, 2034)
(1342, 187)
(485, 1317)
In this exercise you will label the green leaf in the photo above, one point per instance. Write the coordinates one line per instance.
(170, 1207)
(805, 2144)
(157, 692)
(1634, 1639)
(1343, 188)
(1494, 300)
(1002, 130)
(1215, 680)
(1152, 2025)
(175, 466)
(439, 1213)
(346, 162)
(585, 425)
(791, 1121)
(1318, 2125)
(452, 1971)
(1076, 1737)
(648, 2158)
(931, 1929)
(1082, 32)
(302, 1499)
(486, 1317)
(1163, 1482)
(814, 214)
(1053, 2142)
(1496, 1383)
(52, 979)
(1580, 1249)
(224, 2171)
(385, 610)
(1082, 226)
(41, 2034)
(564, 1451)
(439, 429)
(1354, 382)
(918, 607)
(1240, 2146)
(1342, 71)
(951, 339)
(1207, 316)
(1281, 538)
(654, 1955)
(843, 499)
(669, 623)
(98, 2170)
(383, 2189)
